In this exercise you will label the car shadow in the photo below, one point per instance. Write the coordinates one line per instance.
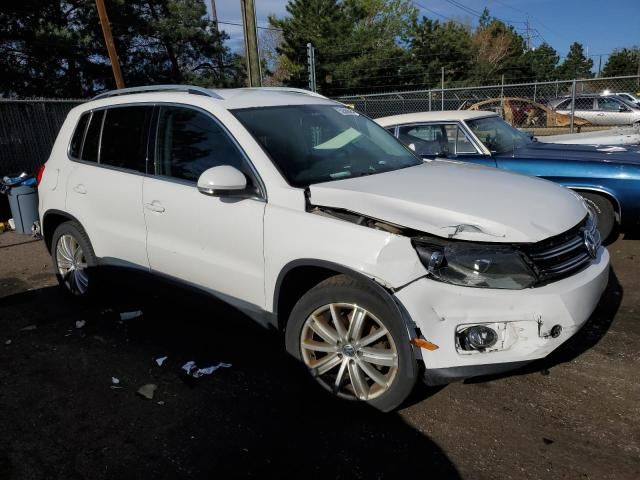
(594, 329)
(263, 416)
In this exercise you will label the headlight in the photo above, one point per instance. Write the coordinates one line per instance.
(475, 265)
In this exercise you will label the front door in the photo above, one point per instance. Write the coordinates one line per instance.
(215, 243)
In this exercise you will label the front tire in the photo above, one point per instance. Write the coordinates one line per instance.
(74, 260)
(353, 343)
(604, 211)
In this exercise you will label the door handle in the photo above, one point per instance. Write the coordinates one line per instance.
(154, 206)
(81, 189)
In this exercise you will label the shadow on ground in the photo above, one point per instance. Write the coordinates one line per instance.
(262, 417)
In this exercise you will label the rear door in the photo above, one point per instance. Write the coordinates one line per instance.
(104, 190)
(213, 242)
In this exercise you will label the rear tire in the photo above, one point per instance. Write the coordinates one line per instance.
(353, 343)
(74, 260)
(604, 211)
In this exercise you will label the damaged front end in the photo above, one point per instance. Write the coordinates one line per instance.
(495, 265)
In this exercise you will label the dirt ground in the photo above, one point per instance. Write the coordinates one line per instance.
(573, 415)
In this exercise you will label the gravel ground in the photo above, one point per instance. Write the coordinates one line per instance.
(573, 415)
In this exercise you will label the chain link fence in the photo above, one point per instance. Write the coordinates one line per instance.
(541, 107)
(28, 129)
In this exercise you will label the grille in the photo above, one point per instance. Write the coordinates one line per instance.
(565, 254)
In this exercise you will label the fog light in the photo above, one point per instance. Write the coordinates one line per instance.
(478, 337)
(556, 331)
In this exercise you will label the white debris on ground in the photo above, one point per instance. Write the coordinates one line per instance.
(161, 360)
(193, 371)
(28, 328)
(115, 380)
(80, 323)
(147, 391)
(124, 316)
(8, 342)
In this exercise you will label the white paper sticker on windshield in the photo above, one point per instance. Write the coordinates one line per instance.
(346, 111)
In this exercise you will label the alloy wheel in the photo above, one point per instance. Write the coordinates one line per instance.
(349, 351)
(72, 265)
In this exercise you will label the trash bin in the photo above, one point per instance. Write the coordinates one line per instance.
(23, 200)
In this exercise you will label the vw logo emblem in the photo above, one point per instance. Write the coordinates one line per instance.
(591, 244)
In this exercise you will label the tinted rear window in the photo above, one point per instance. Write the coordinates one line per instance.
(78, 135)
(92, 138)
(124, 137)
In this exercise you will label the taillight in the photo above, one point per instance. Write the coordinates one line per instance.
(39, 174)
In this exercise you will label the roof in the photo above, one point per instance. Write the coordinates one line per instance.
(439, 116)
(229, 98)
(233, 98)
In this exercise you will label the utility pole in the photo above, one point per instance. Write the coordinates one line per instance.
(251, 42)
(214, 15)
(599, 65)
(108, 40)
(528, 35)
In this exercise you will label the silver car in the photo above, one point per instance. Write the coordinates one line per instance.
(600, 109)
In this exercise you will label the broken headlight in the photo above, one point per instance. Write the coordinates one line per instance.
(476, 265)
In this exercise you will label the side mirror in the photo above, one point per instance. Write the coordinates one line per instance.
(622, 108)
(220, 180)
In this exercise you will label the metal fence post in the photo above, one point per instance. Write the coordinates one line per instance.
(502, 87)
(442, 92)
(573, 102)
(429, 99)
(535, 90)
(556, 88)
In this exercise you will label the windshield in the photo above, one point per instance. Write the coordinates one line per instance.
(497, 135)
(320, 143)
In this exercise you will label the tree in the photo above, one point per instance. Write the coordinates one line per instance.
(498, 50)
(576, 64)
(435, 45)
(543, 61)
(625, 61)
(357, 42)
(56, 48)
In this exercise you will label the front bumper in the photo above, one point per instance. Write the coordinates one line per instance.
(527, 317)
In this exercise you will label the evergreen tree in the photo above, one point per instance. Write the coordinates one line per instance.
(543, 61)
(576, 64)
(624, 61)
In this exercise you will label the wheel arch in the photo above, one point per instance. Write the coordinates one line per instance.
(610, 196)
(51, 220)
(299, 276)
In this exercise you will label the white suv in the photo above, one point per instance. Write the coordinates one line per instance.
(378, 267)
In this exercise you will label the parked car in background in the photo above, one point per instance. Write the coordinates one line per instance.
(524, 113)
(599, 109)
(629, 97)
(607, 179)
(610, 136)
(378, 268)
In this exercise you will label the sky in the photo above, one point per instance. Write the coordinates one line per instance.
(600, 26)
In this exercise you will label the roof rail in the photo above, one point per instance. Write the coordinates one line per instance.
(160, 88)
(292, 90)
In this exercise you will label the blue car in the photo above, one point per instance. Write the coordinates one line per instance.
(607, 177)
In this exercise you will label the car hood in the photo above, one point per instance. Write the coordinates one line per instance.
(458, 200)
(595, 153)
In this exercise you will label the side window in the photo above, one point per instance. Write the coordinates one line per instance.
(124, 137)
(92, 138)
(424, 139)
(391, 130)
(458, 141)
(78, 136)
(564, 105)
(610, 104)
(584, 103)
(190, 142)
